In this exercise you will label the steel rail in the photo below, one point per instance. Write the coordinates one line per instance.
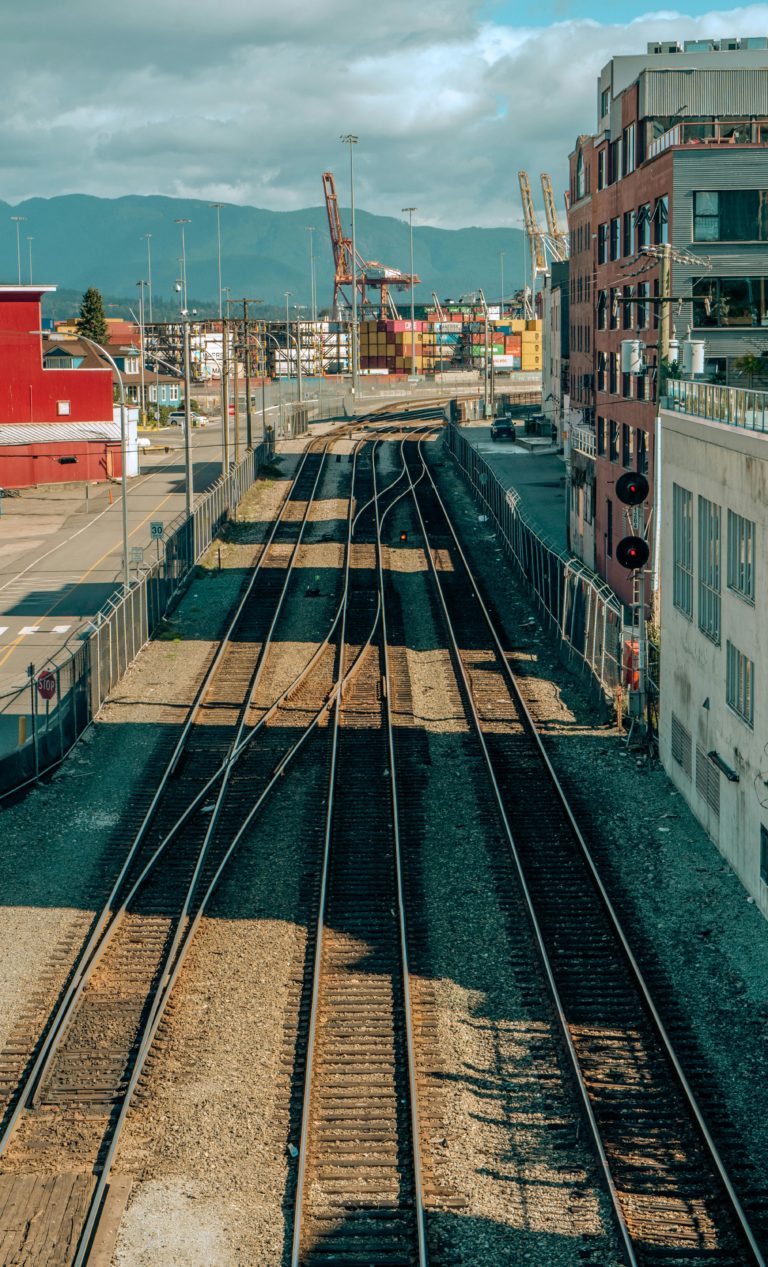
(57, 1037)
(298, 1203)
(165, 986)
(666, 1042)
(418, 1169)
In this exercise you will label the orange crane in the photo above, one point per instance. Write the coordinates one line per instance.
(370, 274)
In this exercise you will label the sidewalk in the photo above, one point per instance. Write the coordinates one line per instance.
(538, 479)
(61, 545)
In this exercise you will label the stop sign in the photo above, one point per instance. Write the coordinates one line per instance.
(46, 685)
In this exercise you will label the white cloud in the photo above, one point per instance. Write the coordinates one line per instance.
(245, 101)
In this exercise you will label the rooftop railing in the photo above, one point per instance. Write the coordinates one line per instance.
(715, 132)
(732, 406)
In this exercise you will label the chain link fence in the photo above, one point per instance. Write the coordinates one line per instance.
(575, 604)
(41, 718)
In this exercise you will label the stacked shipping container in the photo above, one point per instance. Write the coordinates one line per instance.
(392, 347)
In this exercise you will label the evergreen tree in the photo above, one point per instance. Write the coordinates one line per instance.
(91, 322)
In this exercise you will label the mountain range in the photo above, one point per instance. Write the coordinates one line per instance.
(80, 241)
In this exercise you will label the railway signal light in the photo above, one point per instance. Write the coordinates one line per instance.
(632, 552)
(632, 489)
(403, 536)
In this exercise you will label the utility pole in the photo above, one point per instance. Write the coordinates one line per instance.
(187, 424)
(181, 223)
(410, 211)
(312, 285)
(148, 237)
(299, 384)
(30, 240)
(247, 365)
(287, 336)
(217, 206)
(143, 408)
(501, 266)
(18, 220)
(225, 393)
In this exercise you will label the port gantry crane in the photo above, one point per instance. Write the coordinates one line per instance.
(557, 239)
(370, 274)
(545, 244)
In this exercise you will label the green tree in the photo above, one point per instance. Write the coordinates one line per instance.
(751, 364)
(91, 321)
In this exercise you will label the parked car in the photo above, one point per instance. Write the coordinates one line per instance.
(503, 429)
(176, 418)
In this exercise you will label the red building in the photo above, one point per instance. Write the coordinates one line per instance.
(678, 167)
(56, 425)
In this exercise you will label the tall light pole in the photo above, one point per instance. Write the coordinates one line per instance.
(216, 206)
(30, 240)
(187, 421)
(148, 237)
(349, 139)
(299, 392)
(143, 409)
(288, 294)
(312, 288)
(410, 211)
(124, 454)
(18, 220)
(501, 266)
(181, 223)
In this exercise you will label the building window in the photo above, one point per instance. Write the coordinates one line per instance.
(173, 392)
(601, 371)
(643, 225)
(602, 243)
(602, 310)
(602, 167)
(613, 373)
(580, 178)
(741, 556)
(682, 550)
(763, 854)
(626, 309)
(626, 386)
(615, 306)
(615, 237)
(708, 781)
(627, 232)
(601, 437)
(730, 301)
(740, 683)
(730, 215)
(661, 220)
(614, 449)
(628, 149)
(642, 453)
(681, 745)
(609, 527)
(709, 569)
(153, 393)
(63, 407)
(641, 306)
(605, 102)
(627, 447)
(614, 162)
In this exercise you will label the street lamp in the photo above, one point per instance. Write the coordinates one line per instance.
(410, 211)
(181, 223)
(501, 265)
(30, 240)
(141, 285)
(102, 351)
(312, 288)
(349, 139)
(217, 206)
(148, 237)
(299, 393)
(18, 220)
(187, 416)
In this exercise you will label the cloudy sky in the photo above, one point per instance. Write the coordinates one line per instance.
(244, 101)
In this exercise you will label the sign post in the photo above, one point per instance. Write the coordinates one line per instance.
(156, 533)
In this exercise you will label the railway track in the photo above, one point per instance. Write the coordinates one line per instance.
(358, 1197)
(71, 1105)
(672, 1198)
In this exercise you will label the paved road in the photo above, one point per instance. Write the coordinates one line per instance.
(61, 558)
(539, 478)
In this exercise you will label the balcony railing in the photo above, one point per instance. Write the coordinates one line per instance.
(583, 440)
(732, 406)
(716, 132)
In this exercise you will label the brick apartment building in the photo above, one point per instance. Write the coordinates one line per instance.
(679, 161)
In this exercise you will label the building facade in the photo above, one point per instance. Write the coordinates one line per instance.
(668, 199)
(56, 419)
(713, 730)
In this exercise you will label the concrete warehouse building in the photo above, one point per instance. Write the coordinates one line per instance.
(668, 214)
(714, 588)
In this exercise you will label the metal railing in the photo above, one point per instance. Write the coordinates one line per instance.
(576, 605)
(732, 406)
(35, 732)
(583, 440)
(716, 132)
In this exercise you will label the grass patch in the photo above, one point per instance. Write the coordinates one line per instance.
(166, 631)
